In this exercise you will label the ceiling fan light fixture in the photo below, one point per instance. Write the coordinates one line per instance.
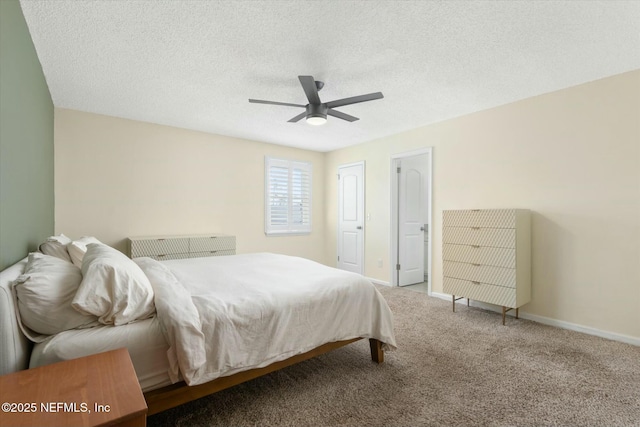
(316, 120)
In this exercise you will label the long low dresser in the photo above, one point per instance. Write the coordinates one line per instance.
(487, 256)
(180, 247)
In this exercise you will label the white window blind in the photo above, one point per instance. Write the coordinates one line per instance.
(287, 196)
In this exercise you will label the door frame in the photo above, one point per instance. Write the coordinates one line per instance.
(393, 247)
(364, 203)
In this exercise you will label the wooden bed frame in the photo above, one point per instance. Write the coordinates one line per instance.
(176, 394)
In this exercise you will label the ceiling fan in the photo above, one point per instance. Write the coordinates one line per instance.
(317, 111)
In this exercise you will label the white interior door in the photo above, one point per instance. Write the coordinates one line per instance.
(412, 219)
(351, 218)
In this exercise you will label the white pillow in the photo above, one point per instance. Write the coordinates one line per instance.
(113, 287)
(44, 294)
(56, 246)
(78, 248)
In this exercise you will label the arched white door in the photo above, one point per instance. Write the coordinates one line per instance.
(412, 219)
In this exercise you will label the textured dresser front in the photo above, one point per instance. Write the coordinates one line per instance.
(487, 255)
(180, 247)
(215, 245)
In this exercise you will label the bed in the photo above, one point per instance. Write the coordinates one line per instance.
(216, 322)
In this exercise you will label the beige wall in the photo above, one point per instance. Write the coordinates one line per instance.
(116, 178)
(572, 157)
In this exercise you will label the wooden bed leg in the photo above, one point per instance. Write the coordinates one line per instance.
(377, 355)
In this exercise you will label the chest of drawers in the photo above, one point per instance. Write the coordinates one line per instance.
(487, 256)
(180, 247)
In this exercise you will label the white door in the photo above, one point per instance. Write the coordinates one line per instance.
(412, 217)
(351, 218)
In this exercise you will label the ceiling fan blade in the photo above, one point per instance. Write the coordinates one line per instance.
(354, 99)
(297, 118)
(341, 115)
(259, 101)
(310, 89)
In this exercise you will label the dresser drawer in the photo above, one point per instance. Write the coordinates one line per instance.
(498, 276)
(494, 237)
(479, 291)
(164, 257)
(151, 247)
(212, 243)
(494, 218)
(499, 257)
(212, 253)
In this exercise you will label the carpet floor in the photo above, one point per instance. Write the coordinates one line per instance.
(450, 369)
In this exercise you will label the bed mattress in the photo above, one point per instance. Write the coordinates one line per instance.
(144, 340)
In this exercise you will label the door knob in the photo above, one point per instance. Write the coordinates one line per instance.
(421, 228)
(359, 227)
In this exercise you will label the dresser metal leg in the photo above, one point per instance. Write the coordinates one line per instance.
(454, 299)
(504, 312)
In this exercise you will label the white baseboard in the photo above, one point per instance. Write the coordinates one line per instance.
(379, 282)
(551, 322)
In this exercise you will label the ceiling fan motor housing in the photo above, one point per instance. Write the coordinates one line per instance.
(317, 110)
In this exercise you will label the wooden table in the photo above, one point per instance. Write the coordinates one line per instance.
(97, 390)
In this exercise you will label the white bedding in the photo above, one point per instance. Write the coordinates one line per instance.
(144, 340)
(223, 315)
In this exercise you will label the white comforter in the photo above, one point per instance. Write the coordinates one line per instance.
(228, 314)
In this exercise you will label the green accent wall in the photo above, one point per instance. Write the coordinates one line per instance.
(26, 141)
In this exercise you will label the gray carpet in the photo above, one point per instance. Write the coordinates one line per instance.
(450, 369)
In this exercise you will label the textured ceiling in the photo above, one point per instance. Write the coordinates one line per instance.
(194, 64)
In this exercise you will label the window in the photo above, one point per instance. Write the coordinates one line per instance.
(287, 197)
